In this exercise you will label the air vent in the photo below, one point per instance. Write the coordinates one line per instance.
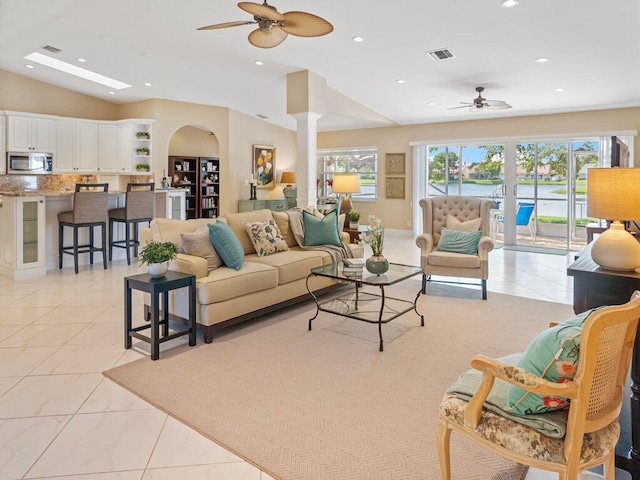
(51, 49)
(261, 115)
(441, 54)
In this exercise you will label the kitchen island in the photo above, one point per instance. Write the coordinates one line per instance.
(29, 227)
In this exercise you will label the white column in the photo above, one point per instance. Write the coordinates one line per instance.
(307, 166)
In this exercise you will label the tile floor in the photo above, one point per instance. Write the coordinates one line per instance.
(60, 418)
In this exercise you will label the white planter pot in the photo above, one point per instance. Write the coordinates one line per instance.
(157, 269)
(353, 225)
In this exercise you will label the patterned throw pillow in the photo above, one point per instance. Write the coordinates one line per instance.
(552, 355)
(266, 237)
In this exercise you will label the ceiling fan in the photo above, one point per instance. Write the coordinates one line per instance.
(274, 27)
(481, 103)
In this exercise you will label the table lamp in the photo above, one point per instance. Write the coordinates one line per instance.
(614, 194)
(346, 184)
(288, 178)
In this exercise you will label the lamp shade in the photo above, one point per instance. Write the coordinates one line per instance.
(346, 183)
(613, 193)
(288, 177)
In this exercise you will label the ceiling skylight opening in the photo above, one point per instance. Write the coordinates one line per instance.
(259, 63)
(542, 59)
(75, 70)
(509, 3)
(401, 81)
(358, 39)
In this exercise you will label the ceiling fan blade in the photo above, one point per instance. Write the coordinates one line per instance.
(226, 25)
(262, 11)
(498, 106)
(304, 24)
(461, 106)
(267, 38)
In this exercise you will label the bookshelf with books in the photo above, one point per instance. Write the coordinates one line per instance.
(200, 175)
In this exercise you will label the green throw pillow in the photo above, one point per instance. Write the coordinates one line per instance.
(226, 244)
(321, 231)
(552, 355)
(458, 241)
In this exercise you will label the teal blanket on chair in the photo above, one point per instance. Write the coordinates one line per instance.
(552, 424)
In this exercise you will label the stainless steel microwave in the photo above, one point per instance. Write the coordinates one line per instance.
(24, 163)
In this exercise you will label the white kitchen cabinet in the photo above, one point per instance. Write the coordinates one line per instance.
(107, 148)
(77, 146)
(125, 142)
(170, 203)
(23, 237)
(31, 134)
(3, 149)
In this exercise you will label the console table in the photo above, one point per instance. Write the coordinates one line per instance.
(594, 287)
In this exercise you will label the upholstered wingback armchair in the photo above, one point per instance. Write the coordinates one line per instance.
(462, 214)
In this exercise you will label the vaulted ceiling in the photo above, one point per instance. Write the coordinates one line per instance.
(592, 47)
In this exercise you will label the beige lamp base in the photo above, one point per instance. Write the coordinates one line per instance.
(616, 249)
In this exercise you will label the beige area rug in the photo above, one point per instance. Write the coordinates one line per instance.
(326, 404)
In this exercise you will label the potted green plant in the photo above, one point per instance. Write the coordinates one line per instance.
(157, 256)
(142, 151)
(143, 167)
(354, 219)
(143, 135)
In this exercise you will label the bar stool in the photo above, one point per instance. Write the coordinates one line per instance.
(138, 209)
(90, 204)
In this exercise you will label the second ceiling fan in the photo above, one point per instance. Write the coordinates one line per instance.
(481, 103)
(274, 27)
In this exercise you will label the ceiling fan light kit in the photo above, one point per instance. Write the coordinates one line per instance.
(274, 27)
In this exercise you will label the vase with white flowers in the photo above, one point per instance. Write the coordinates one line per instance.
(374, 237)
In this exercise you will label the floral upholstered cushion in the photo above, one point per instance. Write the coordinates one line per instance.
(552, 355)
(266, 237)
(519, 438)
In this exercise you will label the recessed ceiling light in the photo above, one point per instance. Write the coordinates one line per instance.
(542, 59)
(431, 104)
(509, 3)
(29, 66)
(258, 62)
(147, 84)
(558, 89)
(75, 70)
(112, 92)
(401, 80)
(82, 60)
(358, 39)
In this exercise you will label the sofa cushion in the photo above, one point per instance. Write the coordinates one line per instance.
(169, 229)
(224, 283)
(456, 260)
(282, 220)
(237, 220)
(266, 237)
(458, 241)
(292, 265)
(199, 244)
(321, 231)
(226, 244)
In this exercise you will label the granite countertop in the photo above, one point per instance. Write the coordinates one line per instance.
(65, 193)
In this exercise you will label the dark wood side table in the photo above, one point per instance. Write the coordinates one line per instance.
(157, 286)
(354, 233)
(593, 287)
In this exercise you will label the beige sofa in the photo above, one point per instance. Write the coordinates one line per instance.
(263, 283)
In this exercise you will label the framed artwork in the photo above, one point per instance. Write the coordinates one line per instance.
(394, 164)
(395, 187)
(264, 166)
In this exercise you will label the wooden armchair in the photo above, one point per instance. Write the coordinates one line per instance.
(595, 395)
(437, 213)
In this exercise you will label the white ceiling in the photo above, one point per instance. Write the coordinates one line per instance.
(593, 47)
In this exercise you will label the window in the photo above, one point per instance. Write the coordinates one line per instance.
(361, 160)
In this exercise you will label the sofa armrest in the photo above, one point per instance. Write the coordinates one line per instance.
(190, 264)
(356, 250)
(345, 237)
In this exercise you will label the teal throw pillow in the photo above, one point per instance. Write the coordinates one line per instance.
(458, 241)
(226, 244)
(552, 355)
(321, 231)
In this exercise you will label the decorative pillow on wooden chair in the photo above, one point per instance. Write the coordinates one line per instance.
(552, 355)
(472, 225)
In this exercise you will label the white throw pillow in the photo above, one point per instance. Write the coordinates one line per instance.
(199, 244)
(469, 226)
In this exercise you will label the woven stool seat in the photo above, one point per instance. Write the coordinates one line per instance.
(90, 204)
(138, 209)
